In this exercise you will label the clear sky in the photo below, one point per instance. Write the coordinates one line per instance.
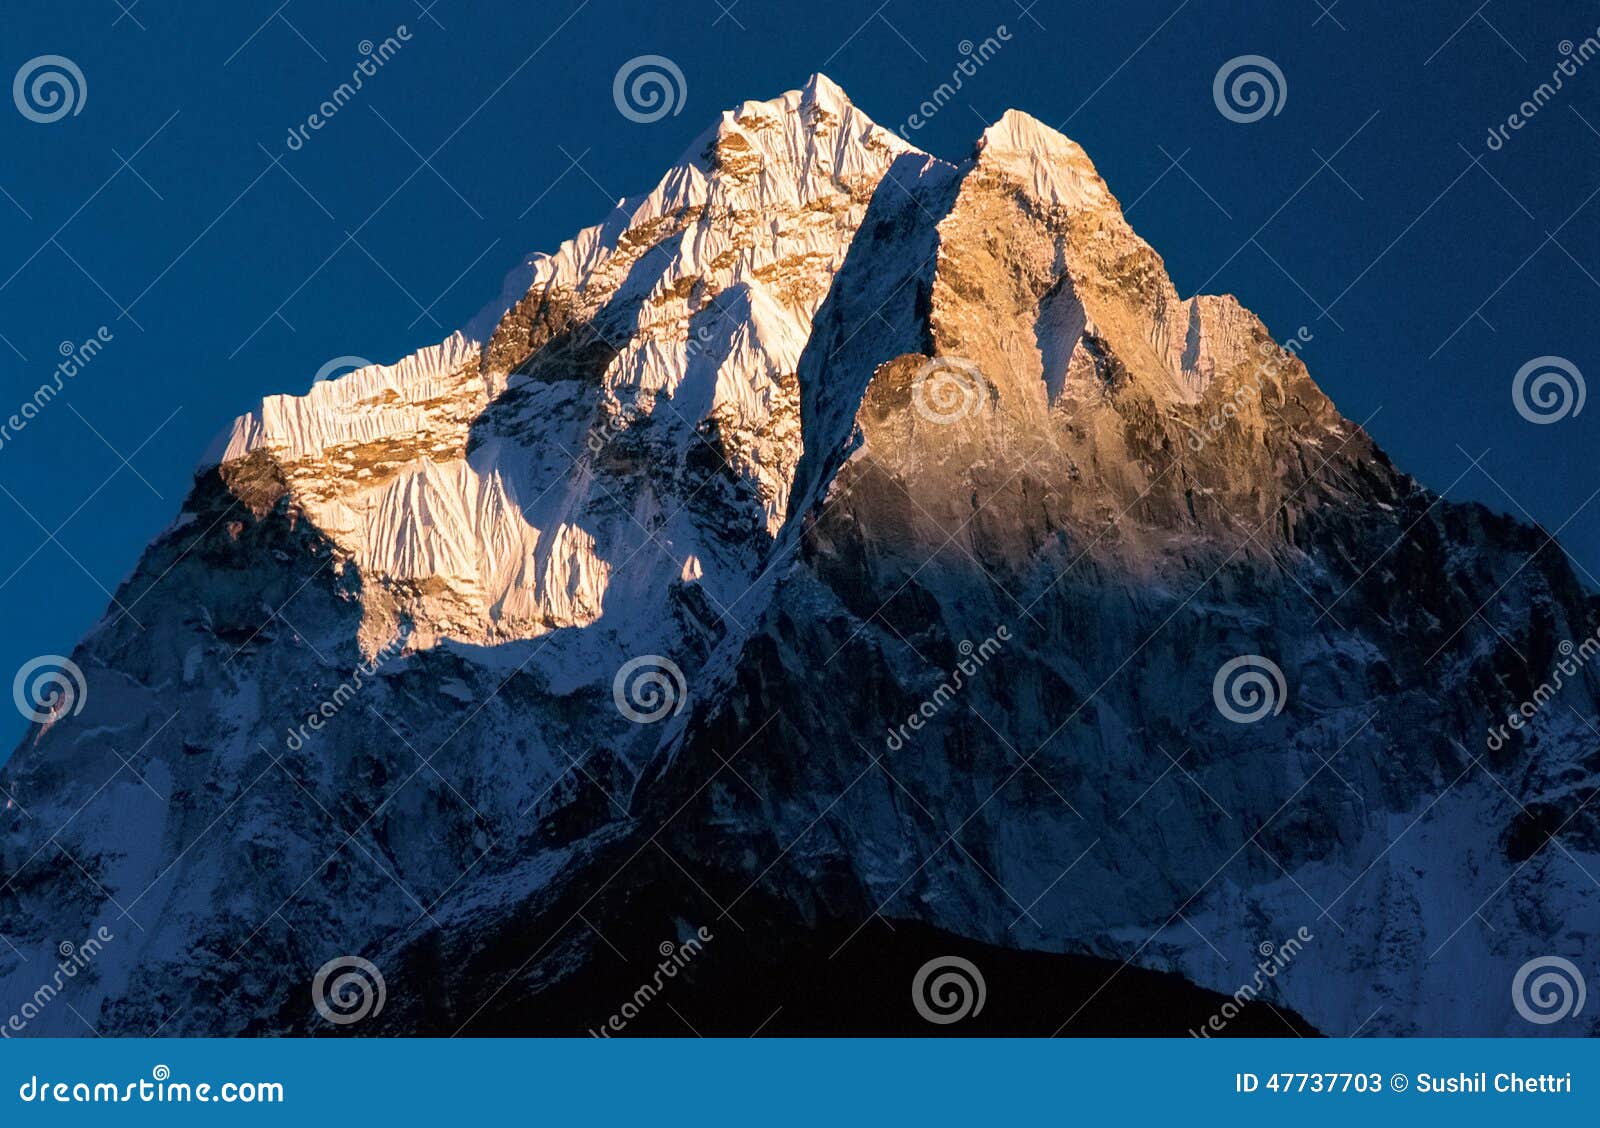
(224, 265)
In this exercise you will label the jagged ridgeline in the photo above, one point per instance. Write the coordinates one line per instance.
(849, 555)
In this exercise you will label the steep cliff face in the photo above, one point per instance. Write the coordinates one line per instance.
(934, 521)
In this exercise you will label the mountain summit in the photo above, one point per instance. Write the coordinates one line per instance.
(832, 549)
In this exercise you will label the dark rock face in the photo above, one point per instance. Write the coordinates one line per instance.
(983, 569)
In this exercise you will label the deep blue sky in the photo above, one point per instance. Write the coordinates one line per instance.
(223, 280)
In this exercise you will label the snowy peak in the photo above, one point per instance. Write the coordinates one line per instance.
(792, 151)
(1093, 312)
(1052, 166)
(596, 402)
(481, 486)
(803, 139)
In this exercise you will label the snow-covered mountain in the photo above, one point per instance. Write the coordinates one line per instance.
(831, 538)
